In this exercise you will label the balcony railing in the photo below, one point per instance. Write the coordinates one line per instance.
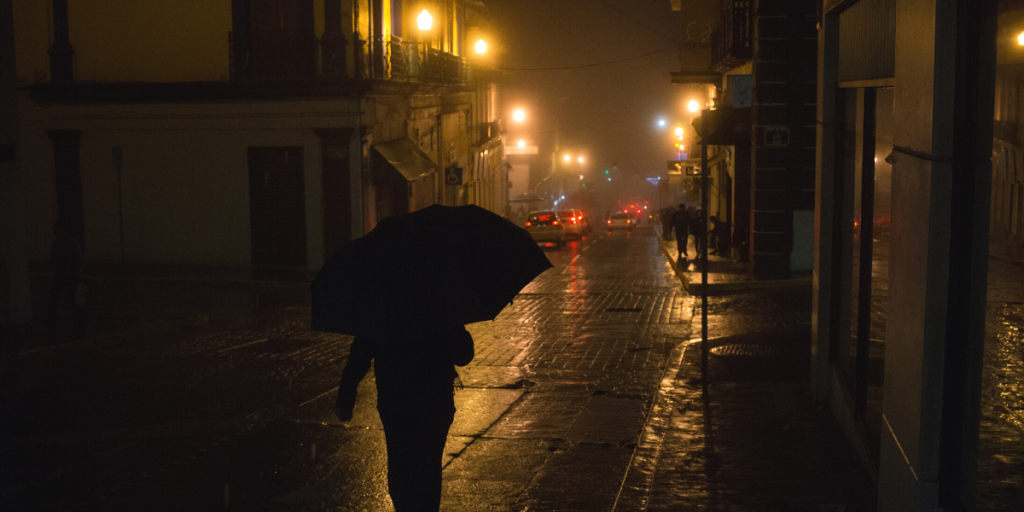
(402, 61)
(732, 41)
(381, 59)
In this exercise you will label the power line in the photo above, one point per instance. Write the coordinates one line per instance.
(595, 64)
(638, 22)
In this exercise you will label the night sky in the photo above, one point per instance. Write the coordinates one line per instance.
(607, 110)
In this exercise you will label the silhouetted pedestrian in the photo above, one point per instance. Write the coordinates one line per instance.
(66, 259)
(741, 240)
(700, 232)
(666, 216)
(416, 381)
(719, 236)
(681, 224)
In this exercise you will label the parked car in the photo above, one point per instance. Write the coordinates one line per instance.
(621, 220)
(546, 228)
(573, 222)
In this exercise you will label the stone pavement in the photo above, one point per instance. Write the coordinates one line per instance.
(192, 392)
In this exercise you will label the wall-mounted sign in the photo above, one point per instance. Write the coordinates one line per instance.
(675, 167)
(693, 170)
(453, 175)
(776, 136)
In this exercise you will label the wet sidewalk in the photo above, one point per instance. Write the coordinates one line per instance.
(751, 438)
(725, 276)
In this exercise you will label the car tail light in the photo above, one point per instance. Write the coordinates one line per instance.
(628, 221)
(554, 223)
(528, 223)
(609, 222)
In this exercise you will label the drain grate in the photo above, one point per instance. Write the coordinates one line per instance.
(746, 350)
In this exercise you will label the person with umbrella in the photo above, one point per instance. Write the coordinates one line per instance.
(405, 291)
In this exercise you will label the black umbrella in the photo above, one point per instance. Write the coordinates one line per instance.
(446, 264)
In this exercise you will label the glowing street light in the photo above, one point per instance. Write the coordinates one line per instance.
(679, 132)
(580, 159)
(693, 106)
(424, 21)
(522, 144)
(519, 116)
(662, 123)
(481, 46)
(567, 158)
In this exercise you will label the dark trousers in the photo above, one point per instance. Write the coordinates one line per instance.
(415, 444)
(681, 240)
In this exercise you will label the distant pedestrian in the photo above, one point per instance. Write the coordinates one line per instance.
(700, 232)
(719, 236)
(665, 215)
(66, 260)
(741, 241)
(416, 381)
(681, 224)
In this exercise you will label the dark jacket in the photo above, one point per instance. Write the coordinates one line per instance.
(415, 371)
(681, 222)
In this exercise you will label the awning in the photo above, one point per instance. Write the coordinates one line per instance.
(726, 126)
(405, 159)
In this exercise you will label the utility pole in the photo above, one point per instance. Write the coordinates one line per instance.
(703, 256)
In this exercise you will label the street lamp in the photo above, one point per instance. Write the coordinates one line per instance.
(567, 158)
(580, 159)
(424, 21)
(519, 116)
(679, 132)
(693, 106)
(481, 46)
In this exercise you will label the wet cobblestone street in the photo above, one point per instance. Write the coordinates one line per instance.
(582, 396)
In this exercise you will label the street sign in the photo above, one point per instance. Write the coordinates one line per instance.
(453, 175)
(693, 170)
(776, 136)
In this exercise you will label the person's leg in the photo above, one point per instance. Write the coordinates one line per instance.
(415, 446)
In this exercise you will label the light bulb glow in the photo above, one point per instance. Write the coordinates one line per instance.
(424, 21)
(693, 106)
(481, 46)
(1020, 39)
(519, 116)
(522, 144)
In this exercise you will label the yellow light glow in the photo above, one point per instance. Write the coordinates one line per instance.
(519, 116)
(693, 106)
(580, 159)
(679, 132)
(1020, 39)
(424, 21)
(567, 158)
(522, 143)
(481, 46)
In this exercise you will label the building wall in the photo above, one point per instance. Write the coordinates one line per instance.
(184, 182)
(784, 96)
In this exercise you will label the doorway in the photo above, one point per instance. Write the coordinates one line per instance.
(277, 206)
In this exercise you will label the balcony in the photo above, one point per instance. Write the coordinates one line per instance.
(399, 61)
(732, 41)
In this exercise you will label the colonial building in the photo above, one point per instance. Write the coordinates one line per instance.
(250, 132)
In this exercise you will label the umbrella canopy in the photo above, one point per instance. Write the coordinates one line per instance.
(440, 264)
(526, 198)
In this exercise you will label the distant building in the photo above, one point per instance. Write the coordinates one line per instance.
(249, 132)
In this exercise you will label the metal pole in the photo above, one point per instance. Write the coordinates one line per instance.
(703, 256)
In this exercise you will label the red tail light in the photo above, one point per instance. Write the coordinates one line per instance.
(554, 223)
(609, 222)
(528, 224)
